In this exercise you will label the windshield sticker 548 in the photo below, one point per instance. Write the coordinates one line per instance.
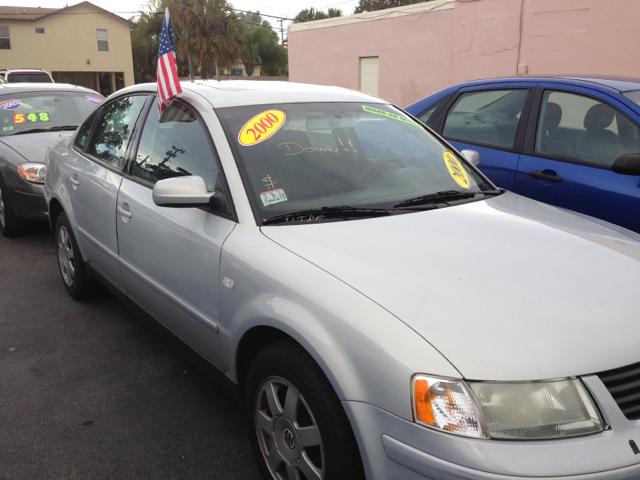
(456, 170)
(261, 127)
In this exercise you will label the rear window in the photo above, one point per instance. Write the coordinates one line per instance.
(29, 77)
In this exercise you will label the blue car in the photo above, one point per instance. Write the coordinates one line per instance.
(571, 142)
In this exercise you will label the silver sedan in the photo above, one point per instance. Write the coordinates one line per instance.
(379, 308)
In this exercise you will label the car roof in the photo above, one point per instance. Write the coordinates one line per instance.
(10, 88)
(23, 70)
(236, 93)
(619, 83)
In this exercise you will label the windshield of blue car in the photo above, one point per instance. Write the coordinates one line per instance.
(296, 157)
(633, 96)
(41, 111)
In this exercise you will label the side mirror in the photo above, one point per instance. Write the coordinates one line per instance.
(182, 192)
(471, 156)
(627, 164)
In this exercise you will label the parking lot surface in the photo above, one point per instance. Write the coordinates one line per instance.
(89, 390)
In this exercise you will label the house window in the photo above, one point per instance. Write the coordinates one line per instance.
(39, 29)
(5, 42)
(237, 71)
(103, 41)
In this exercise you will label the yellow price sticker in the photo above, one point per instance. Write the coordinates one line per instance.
(456, 170)
(261, 127)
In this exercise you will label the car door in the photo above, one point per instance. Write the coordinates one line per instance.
(170, 257)
(95, 177)
(574, 137)
(490, 120)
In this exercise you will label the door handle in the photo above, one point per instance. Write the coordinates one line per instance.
(123, 212)
(538, 175)
(74, 180)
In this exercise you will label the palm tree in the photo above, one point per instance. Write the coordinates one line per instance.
(213, 33)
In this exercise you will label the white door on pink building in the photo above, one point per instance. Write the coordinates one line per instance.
(369, 75)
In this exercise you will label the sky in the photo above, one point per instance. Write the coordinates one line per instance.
(280, 8)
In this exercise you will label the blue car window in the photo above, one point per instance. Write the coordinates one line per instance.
(488, 117)
(173, 146)
(583, 128)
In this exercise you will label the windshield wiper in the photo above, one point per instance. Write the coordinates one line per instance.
(444, 197)
(315, 214)
(50, 129)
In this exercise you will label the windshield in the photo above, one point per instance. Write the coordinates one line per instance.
(23, 113)
(633, 96)
(297, 157)
(29, 78)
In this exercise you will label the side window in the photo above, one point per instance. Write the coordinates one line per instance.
(113, 130)
(583, 128)
(489, 117)
(83, 133)
(426, 115)
(173, 146)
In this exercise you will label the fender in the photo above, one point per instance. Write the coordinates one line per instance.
(355, 341)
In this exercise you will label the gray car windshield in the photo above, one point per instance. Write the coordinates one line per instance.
(310, 162)
(42, 111)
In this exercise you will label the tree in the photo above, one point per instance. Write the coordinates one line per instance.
(311, 14)
(215, 33)
(373, 5)
(260, 47)
(145, 40)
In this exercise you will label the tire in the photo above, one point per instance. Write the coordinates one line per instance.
(311, 434)
(10, 225)
(70, 263)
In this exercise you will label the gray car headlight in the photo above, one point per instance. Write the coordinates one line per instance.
(506, 410)
(32, 172)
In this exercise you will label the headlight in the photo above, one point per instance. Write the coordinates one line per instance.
(538, 410)
(506, 410)
(32, 172)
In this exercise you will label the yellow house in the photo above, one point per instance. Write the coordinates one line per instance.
(82, 44)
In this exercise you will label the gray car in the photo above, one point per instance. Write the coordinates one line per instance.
(379, 308)
(32, 117)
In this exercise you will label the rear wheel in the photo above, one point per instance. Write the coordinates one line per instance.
(298, 428)
(72, 269)
(10, 225)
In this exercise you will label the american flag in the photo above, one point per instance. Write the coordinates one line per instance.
(168, 82)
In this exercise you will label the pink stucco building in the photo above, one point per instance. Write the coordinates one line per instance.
(403, 54)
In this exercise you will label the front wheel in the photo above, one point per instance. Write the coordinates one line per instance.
(70, 263)
(297, 425)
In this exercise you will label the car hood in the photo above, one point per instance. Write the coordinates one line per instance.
(506, 288)
(33, 146)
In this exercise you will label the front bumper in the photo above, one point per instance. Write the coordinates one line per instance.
(27, 200)
(394, 448)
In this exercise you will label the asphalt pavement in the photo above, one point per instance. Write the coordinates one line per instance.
(88, 390)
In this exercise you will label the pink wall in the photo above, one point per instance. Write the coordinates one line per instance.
(423, 53)
(414, 51)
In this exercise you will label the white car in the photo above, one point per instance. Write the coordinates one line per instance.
(379, 308)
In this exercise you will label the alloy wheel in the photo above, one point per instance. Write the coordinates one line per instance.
(288, 435)
(65, 256)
